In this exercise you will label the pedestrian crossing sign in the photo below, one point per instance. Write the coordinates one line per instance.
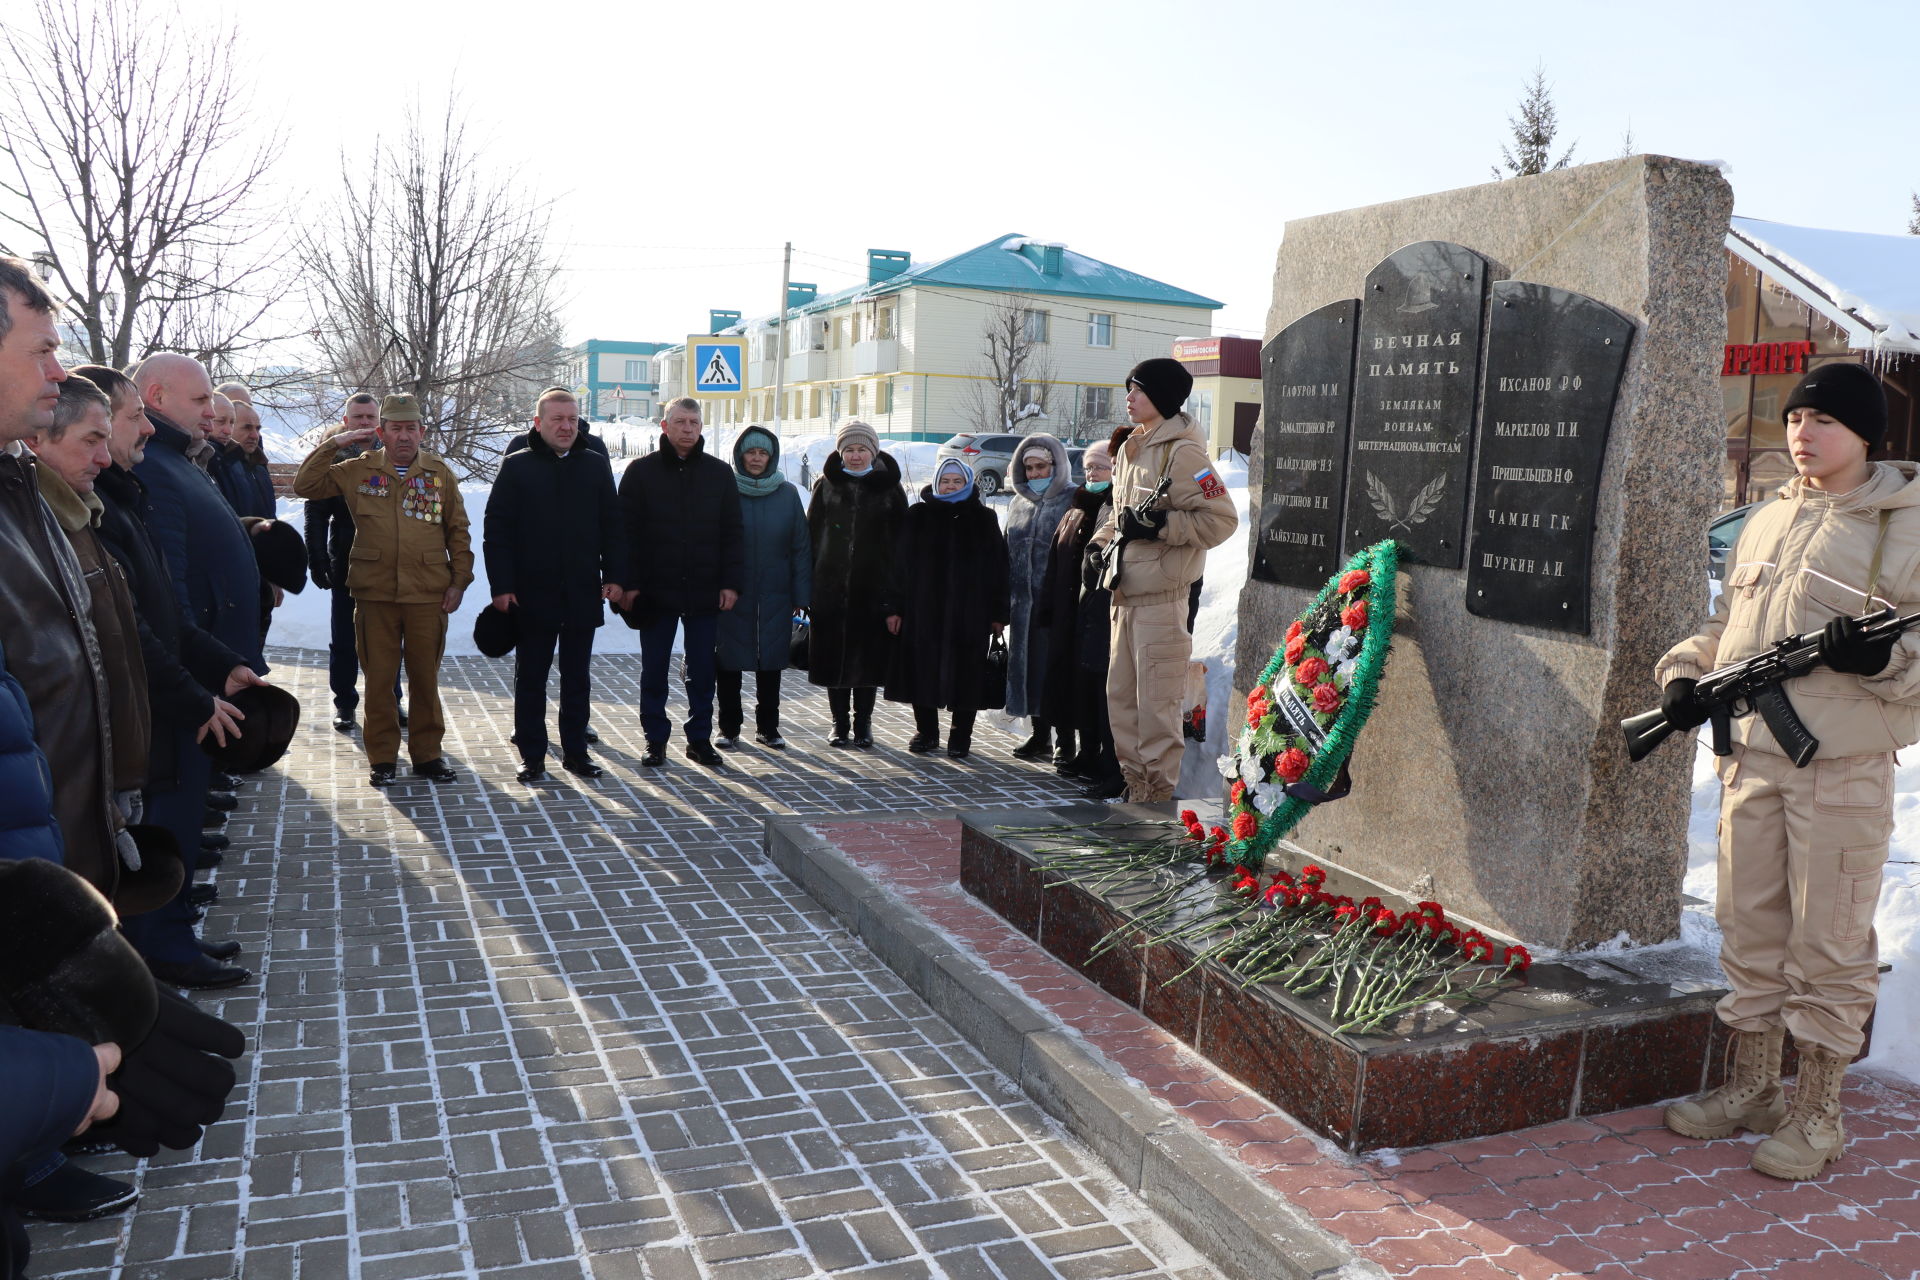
(717, 367)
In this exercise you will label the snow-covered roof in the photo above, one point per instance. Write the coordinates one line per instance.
(1868, 285)
(1018, 264)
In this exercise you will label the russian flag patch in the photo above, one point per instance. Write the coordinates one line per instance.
(1210, 486)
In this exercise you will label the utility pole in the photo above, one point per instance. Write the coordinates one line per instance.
(780, 344)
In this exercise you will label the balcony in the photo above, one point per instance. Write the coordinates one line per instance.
(760, 373)
(806, 366)
(879, 355)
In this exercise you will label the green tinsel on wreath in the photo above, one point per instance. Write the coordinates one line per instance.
(1381, 562)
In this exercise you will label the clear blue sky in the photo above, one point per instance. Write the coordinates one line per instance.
(683, 143)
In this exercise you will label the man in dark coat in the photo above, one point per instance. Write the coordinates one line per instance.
(554, 550)
(329, 548)
(685, 566)
(946, 593)
(50, 644)
(252, 482)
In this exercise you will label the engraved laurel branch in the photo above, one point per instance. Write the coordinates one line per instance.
(1418, 510)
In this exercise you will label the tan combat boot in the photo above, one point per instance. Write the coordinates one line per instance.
(1750, 1098)
(1812, 1136)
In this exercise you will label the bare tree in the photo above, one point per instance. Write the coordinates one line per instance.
(1913, 218)
(1014, 372)
(1533, 133)
(432, 276)
(132, 155)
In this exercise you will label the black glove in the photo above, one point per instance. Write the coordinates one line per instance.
(322, 577)
(1091, 565)
(1682, 710)
(1136, 526)
(1844, 648)
(175, 1083)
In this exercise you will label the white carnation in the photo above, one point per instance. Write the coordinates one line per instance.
(1229, 767)
(1268, 795)
(1341, 645)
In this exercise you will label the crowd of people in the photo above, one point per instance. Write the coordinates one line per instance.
(142, 557)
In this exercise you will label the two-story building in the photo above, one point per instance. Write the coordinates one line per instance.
(614, 379)
(913, 350)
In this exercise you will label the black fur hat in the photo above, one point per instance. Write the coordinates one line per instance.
(272, 714)
(495, 632)
(281, 555)
(63, 964)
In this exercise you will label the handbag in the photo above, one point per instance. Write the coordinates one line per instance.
(993, 688)
(800, 648)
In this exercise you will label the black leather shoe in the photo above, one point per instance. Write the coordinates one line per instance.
(203, 895)
(213, 841)
(344, 723)
(582, 767)
(531, 773)
(702, 753)
(840, 738)
(1106, 789)
(225, 800)
(921, 743)
(199, 974)
(208, 859)
(591, 735)
(1035, 748)
(435, 770)
(384, 775)
(73, 1194)
(221, 949)
(656, 755)
(862, 736)
(959, 748)
(224, 782)
(213, 820)
(772, 741)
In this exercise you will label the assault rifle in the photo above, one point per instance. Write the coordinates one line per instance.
(1754, 685)
(1110, 564)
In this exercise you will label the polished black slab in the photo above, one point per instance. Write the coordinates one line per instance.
(1554, 363)
(1415, 380)
(1307, 391)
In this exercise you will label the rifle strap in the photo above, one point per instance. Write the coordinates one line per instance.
(1879, 546)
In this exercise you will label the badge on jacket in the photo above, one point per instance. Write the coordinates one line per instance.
(1210, 486)
(422, 499)
(375, 487)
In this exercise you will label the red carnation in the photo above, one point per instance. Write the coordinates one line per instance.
(1244, 826)
(1474, 946)
(1313, 875)
(1518, 957)
(1326, 698)
(1246, 882)
(1219, 835)
(1292, 764)
(1433, 909)
(1282, 877)
(1355, 616)
(1385, 923)
(1343, 914)
(1188, 817)
(1295, 631)
(1295, 647)
(1256, 713)
(1235, 794)
(1310, 671)
(1196, 832)
(1354, 579)
(1214, 855)
(1277, 890)
(1371, 905)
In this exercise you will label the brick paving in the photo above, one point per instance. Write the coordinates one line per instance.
(1614, 1196)
(587, 1030)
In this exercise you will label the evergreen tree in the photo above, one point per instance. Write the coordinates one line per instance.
(1533, 132)
(1913, 221)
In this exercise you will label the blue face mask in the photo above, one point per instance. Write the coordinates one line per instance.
(1099, 486)
(1041, 485)
(861, 472)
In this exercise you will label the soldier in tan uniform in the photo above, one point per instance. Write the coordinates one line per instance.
(1166, 553)
(411, 562)
(1801, 849)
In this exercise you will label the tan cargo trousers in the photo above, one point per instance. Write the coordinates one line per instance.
(1801, 852)
(1146, 678)
(387, 634)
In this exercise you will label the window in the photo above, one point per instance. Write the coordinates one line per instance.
(885, 323)
(855, 321)
(883, 391)
(1100, 329)
(1033, 326)
(1096, 403)
(853, 392)
(636, 371)
(839, 333)
(1034, 393)
(813, 403)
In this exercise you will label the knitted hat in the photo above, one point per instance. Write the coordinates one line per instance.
(1848, 392)
(856, 432)
(1097, 452)
(1166, 382)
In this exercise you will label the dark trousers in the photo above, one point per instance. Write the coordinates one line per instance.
(841, 699)
(656, 656)
(343, 659)
(167, 932)
(766, 701)
(532, 658)
(926, 722)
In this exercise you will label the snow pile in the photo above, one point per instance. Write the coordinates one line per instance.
(1216, 633)
(1875, 277)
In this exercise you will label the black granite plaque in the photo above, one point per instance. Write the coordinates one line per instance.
(1554, 361)
(1307, 391)
(1414, 382)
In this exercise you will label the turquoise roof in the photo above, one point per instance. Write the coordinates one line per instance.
(1015, 263)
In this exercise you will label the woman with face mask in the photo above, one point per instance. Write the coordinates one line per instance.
(854, 521)
(1042, 492)
(757, 633)
(1070, 636)
(947, 593)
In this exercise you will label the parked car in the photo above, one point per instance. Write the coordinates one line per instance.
(1721, 535)
(991, 457)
